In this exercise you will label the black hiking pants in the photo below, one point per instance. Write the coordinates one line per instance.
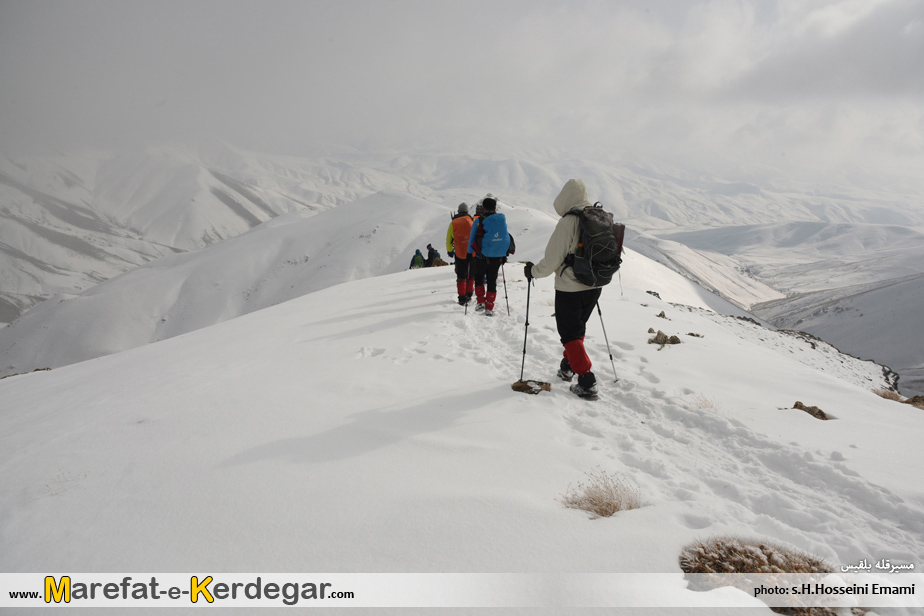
(572, 310)
(487, 268)
(464, 271)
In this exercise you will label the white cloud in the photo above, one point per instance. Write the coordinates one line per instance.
(723, 79)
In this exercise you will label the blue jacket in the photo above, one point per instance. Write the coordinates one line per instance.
(495, 241)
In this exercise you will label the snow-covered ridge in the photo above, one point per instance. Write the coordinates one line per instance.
(66, 226)
(807, 256)
(50, 244)
(291, 256)
(285, 258)
(857, 286)
(382, 391)
(179, 198)
(872, 320)
(750, 239)
(72, 221)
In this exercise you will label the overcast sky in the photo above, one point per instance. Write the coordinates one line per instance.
(746, 79)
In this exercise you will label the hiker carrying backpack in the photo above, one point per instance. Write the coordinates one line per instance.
(457, 236)
(432, 255)
(417, 261)
(582, 254)
(599, 252)
(488, 247)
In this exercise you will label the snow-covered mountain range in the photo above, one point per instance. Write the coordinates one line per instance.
(295, 392)
(73, 221)
(68, 222)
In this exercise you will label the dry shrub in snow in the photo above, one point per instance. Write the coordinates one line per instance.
(602, 495)
(888, 394)
(663, 339)
(916, 401)
(725, 557)
(814, 411)
(703, 403)
(734, 555)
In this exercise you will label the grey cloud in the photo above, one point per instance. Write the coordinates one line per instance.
(880, 56)
(695, 81)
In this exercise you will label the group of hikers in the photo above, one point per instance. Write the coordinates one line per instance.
(480, 245)
(433, 258)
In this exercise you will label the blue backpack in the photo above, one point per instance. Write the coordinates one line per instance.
(491, 238)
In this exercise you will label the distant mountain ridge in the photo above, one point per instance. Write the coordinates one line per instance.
(69, 222)
(72, 221)
(872, 320)
(285, 258)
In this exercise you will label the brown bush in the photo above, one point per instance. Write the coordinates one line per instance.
(726, 557)
(734, 555)
(916, 402)
(602, 495)
(814, 411)
(888, 394)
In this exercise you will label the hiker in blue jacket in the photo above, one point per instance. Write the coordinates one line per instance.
(489, 244)
(417, 261)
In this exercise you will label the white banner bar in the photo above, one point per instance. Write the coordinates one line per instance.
(210, 589)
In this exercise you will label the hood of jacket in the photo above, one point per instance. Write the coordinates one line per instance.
(573, 195)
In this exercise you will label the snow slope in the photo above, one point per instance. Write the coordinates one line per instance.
(716, 272)
(856, 286)
(370, 427)
(68, 222)
(750, 239)
(798, 257)
(881, 320)
(64, 231)
(277, 261)
(183, 198)
(52, 241)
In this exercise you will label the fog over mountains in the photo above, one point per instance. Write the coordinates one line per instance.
(131, 248)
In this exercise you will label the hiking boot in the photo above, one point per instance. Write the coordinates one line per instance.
(586, 386)
(488, 313)
(565, 372)
(479, 308)
(462, 300)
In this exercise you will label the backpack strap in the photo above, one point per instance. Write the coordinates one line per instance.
(479, 233)
(569, 258)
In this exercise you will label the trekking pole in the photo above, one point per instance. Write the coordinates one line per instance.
(523, 363)
(612, 363)
(505, 289)
(468, 272)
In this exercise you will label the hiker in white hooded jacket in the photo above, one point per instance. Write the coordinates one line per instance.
(574, 301)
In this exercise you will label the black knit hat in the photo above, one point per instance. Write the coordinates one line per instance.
(490, 204)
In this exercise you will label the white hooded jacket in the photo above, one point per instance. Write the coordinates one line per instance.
(564, 240)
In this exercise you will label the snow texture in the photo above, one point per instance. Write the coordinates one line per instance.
(371, 427)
